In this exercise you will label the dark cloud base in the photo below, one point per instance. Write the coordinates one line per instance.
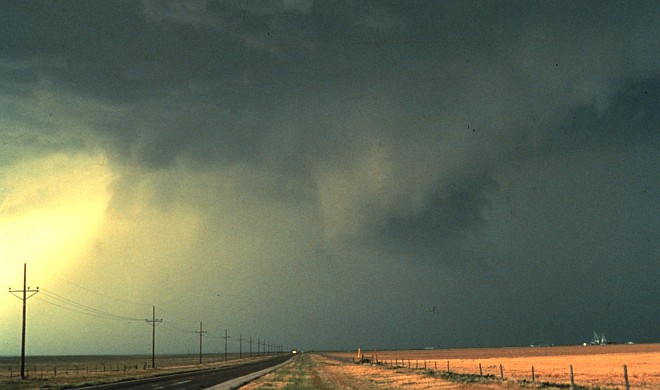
(496, 161)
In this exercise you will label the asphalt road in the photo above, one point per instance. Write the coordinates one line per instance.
(192, 380)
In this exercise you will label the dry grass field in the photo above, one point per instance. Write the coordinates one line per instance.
(593, 366)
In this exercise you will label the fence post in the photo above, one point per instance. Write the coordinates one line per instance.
(625, 376)
(436, 364)
(425, 364)
(447, 366)
(481, 373)
(572, 379)
(11, 374)
(533, 379)
(501, 372)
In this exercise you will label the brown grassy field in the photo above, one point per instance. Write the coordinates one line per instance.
(593, 366)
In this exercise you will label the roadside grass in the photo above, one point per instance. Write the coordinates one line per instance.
(301, 374)
(462, 378)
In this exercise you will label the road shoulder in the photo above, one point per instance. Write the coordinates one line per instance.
(245, 379)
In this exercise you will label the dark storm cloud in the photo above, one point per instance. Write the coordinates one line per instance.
(447, 214)
(301, 65)
(457, 209)
(629, 119)
(486, 145)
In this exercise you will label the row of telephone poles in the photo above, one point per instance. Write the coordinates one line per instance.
(26, 293)
(263, 348)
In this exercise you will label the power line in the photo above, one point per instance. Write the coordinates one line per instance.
(78, 307)
(74, 310)
(173, 328)
(101, 294)
(71, 305)
(175, 318)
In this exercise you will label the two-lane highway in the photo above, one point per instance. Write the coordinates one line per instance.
(192, 380)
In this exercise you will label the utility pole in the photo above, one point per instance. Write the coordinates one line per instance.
(226, 337)
(250, 346)
(24, 299)
(258, 346)
(153, 337)
(240, 346)
(201, 332)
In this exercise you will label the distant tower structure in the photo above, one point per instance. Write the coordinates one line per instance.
(598, 340)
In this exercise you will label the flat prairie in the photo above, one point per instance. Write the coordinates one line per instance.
(593, 366)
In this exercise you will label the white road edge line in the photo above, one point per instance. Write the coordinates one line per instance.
(245, 379)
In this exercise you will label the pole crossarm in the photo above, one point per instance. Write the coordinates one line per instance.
(16, 292)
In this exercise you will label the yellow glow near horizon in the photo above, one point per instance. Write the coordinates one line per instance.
(50, 210)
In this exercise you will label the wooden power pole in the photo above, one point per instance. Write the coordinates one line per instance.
(24, 298)
(226, 337)
(153, 337)
(201, 332)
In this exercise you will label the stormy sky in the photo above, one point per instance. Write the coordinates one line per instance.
(329, 174)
